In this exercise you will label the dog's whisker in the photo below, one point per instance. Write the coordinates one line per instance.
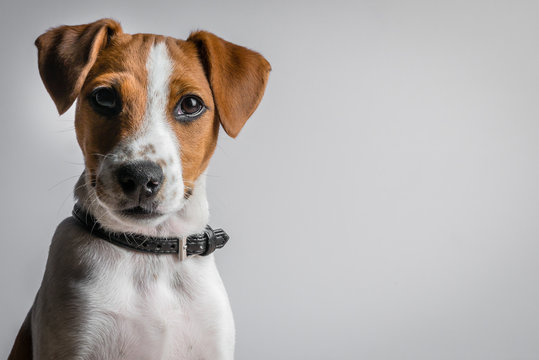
(62, 181)
(104, 156)
(63, 203)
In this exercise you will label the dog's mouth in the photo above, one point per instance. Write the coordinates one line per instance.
(140, 212)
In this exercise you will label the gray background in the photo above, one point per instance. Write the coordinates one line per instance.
(382, 201)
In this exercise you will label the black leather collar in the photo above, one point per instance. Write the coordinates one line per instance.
(197, 244)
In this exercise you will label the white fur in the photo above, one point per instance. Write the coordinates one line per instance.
(157, 133)
(100, 301)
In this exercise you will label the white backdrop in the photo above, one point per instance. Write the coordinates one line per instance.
(383, 201)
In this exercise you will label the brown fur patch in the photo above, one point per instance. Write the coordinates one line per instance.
(67, 53)
(121, 65)
(161, 163)
(237, 76)
(149, 148)
(187, 193)
(198, 138)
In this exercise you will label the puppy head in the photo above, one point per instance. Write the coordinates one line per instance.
(148, 109)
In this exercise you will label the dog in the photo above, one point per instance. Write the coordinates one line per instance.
(131, 274)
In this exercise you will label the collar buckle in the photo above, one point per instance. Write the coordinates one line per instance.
(182, 251)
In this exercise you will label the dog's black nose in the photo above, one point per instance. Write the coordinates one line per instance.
(140, 180)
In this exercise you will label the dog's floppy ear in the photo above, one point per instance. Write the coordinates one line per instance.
(66, 55)
(237, 77)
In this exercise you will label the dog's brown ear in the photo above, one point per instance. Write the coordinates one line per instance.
(237, 76)
(67, 53)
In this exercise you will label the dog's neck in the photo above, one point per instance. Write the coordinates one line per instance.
(191, 219)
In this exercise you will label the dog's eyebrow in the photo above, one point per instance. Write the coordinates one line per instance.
(110, 79)
(186, 89)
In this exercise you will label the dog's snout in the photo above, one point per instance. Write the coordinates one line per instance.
(140, 180)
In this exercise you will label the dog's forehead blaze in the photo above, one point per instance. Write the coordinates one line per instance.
(123, 65)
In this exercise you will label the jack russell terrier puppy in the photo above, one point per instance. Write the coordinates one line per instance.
(130, 275)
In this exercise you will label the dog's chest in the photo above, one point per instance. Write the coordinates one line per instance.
(154, 307)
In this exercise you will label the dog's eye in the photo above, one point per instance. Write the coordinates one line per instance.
(189, 108)
(105, 101)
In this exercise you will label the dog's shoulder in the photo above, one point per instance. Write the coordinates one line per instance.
(72, 241)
